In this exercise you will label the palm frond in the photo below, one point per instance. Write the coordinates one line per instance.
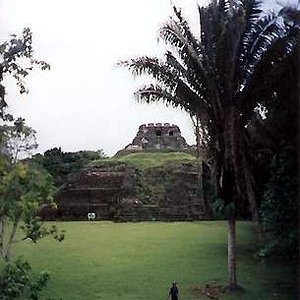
(174, 64)
(150, 66)
(187, 32)
(154, 93)
(224, 6)
(290, 15)
(260, 37)
(270, 48)
(173, 33)
(227, 47)
(192, 79)
(209, 32)
(220, 37)
(182, 97)
(271, 66)
(251, 11)
(198, 72)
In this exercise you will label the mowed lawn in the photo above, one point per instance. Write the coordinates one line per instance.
(130, 261)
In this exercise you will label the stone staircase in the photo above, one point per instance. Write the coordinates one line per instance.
(109, 192)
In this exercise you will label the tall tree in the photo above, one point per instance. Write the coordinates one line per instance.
(221, 77)
(23, 188)
(17, 139)
(17, 61)
(275, 140)
(62, 164)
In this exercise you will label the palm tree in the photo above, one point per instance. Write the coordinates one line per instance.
(221, 77)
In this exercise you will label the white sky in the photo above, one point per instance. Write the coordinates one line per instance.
(84, 102)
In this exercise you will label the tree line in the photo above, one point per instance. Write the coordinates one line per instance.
(62, 164)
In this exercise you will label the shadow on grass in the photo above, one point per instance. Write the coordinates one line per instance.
(213, 290)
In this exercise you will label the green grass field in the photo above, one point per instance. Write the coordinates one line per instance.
(138, 261)
(144, 160)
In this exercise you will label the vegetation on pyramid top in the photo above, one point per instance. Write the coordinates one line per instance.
(147, 159)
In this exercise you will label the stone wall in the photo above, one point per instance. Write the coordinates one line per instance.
(122, 193)
(158, 136)
(90, 190)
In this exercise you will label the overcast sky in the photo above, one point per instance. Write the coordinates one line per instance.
(84, 102)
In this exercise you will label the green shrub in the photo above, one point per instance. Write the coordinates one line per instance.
(17, 281)
(279, 207)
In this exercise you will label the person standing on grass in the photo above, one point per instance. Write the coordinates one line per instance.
(173, 293)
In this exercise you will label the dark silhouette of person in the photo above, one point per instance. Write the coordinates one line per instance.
(173, 293)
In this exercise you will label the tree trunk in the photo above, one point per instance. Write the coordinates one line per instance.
(10, 240)
(252, 201)
(199, 154)
(199, 159)
(232, 282)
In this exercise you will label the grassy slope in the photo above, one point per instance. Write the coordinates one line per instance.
(134, 261)
(143, 160)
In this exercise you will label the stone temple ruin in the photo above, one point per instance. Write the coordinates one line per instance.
(113, 190)
(158, 136)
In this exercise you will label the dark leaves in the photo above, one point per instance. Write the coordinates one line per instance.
(17, 61)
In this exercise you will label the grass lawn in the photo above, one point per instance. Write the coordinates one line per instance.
(144, 160)
(138, 261)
